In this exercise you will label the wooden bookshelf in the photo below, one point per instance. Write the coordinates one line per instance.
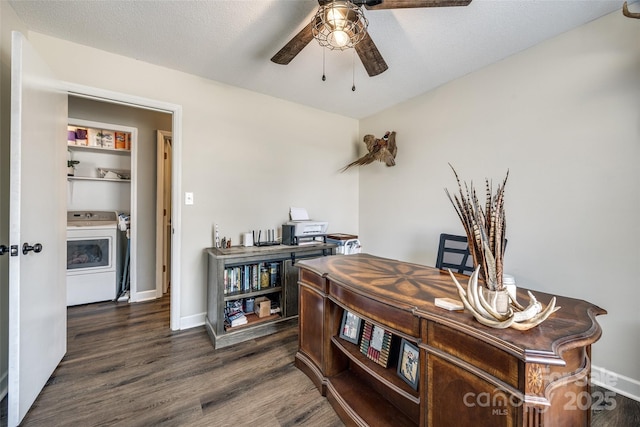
(230, 280)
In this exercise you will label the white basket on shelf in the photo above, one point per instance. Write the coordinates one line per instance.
(109, 173)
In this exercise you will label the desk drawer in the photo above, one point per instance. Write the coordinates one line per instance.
(392, 317)
(482, 355)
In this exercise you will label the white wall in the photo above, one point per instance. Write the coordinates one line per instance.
(246, 157)
(564, 118)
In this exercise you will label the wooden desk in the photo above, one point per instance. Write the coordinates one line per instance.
(469, 374)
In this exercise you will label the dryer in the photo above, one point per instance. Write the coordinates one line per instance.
(91, 256)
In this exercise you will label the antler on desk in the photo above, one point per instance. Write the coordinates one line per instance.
(625, 12)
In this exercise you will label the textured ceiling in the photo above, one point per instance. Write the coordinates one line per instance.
(232, 42)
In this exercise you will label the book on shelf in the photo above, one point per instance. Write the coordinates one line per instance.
(238, 322)
(231, 307)
(236, 318)
(246, 276)
(234, 305)
(235, 315)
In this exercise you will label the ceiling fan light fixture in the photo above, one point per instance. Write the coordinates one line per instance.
(335, 18)
(338, 38)
(339, 25)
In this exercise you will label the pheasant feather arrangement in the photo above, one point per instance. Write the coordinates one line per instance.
(485, 227)
(486, 230)
(381, 149)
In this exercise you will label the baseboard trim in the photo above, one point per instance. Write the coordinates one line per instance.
(192, 321)
(620, 384)
(144, 296)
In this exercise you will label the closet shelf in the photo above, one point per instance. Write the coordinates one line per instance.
(88, 178)
(98, 149)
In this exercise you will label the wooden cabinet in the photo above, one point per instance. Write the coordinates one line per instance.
(229, 279)
(469, 374)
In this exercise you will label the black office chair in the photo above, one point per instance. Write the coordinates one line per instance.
(453, 253)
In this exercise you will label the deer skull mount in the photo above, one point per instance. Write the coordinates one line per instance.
(625, 12)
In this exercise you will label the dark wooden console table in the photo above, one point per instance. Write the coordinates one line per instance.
(469, 374)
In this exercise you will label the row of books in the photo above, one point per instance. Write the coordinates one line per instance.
(251, 277)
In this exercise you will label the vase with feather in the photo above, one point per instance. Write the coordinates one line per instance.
(485, 226)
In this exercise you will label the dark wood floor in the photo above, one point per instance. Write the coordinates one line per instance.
(125, 367)
(626, 412)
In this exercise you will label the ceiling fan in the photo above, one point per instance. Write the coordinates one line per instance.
(360, 38)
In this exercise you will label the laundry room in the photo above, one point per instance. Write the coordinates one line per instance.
(112, 187)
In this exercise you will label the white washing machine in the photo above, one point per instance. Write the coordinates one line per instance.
(91, 256)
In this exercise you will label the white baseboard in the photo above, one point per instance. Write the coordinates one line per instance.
(143, 296)
(620, 384)
(192, 321)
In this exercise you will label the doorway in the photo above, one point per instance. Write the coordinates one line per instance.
(171, 118)
(135, 200)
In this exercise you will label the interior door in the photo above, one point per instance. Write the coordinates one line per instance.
(163, 212)
(167, 217)
(37, 221)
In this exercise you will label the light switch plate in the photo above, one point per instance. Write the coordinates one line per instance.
(188, 198)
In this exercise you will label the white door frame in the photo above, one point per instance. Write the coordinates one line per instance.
(176, 130)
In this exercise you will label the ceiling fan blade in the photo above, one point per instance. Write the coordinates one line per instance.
(401, 4)
(295, 45)
(370, 56)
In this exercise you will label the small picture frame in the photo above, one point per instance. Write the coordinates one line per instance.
(350, 327)
(409, 363)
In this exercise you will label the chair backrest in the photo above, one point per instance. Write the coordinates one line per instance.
(453, 253)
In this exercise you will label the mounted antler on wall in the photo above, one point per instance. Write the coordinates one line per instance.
(625, 12)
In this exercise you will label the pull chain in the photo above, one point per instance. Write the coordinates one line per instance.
(324, 77)
(353, 67)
